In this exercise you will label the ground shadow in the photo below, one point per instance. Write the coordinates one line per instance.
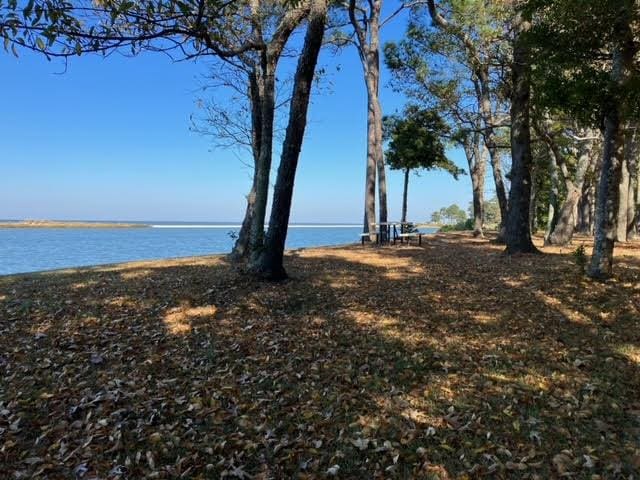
(397, 362)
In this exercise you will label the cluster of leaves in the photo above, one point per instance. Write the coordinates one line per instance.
(176, 27)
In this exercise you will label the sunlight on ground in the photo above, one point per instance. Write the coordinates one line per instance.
(135, 274)
(83, 285)
(568, 313)
(632, 352)
(178, 320)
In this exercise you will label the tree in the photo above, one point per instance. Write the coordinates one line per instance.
(475, 31)
(269, 263)
(585, 65)
(450, 215)
(365, 18)
(456, 67)
(415, 142)
(572, 156)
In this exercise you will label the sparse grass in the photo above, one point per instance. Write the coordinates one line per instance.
(446, 361)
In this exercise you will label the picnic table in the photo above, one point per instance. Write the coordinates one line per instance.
(387, 232)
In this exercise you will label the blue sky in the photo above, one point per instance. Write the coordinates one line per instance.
(109, 139)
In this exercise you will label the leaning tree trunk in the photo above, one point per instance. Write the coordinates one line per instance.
(405, 194)
(518, 226)
(270, 265)
(562, 233)
(241, 247)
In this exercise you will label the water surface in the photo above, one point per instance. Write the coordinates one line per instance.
(35, 249)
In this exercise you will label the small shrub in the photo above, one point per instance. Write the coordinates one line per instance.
(580, 257)
(458, 227)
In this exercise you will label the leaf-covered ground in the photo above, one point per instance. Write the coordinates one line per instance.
(446, 361)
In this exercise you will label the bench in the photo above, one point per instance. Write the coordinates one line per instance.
(409, 236)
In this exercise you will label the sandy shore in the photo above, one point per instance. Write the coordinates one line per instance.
(55, 224)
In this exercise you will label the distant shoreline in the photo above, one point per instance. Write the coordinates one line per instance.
(55, 224)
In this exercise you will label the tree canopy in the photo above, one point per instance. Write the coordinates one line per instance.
(416, 141)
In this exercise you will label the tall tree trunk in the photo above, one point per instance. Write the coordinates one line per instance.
(632, 149)
(252, 236)
(608, 197)
(552, 217)
(263, 166)
(518, 228)
(501, 190)
(405, 193)
(270, 265)
(241, 247)
(623, 202)
(477, 168)
(634, 213)
(370, 179)
(368, 43)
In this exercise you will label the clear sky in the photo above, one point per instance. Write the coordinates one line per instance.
(109, 139)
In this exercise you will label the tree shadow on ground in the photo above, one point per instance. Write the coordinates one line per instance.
(444, 361)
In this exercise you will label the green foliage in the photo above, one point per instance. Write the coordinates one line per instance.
(463, 226)
(415, 141)
(65, 28)
(573, 43)
(450, 215)
(580, 257)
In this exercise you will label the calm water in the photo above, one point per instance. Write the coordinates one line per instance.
(34, 249)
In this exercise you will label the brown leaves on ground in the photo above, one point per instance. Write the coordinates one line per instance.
(446, 361)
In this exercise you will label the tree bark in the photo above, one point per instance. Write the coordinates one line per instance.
(562, 233)
(473, 150)
(269, 264)
(634, 213)
(501, 190)
(368, 44)
(518, 225)
(608, 197)
(250, 240)
(405, 193)
(552, 217)
(623, 201)
(632, 148)
(241, 247)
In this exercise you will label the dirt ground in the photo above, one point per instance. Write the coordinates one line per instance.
(449, 360)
